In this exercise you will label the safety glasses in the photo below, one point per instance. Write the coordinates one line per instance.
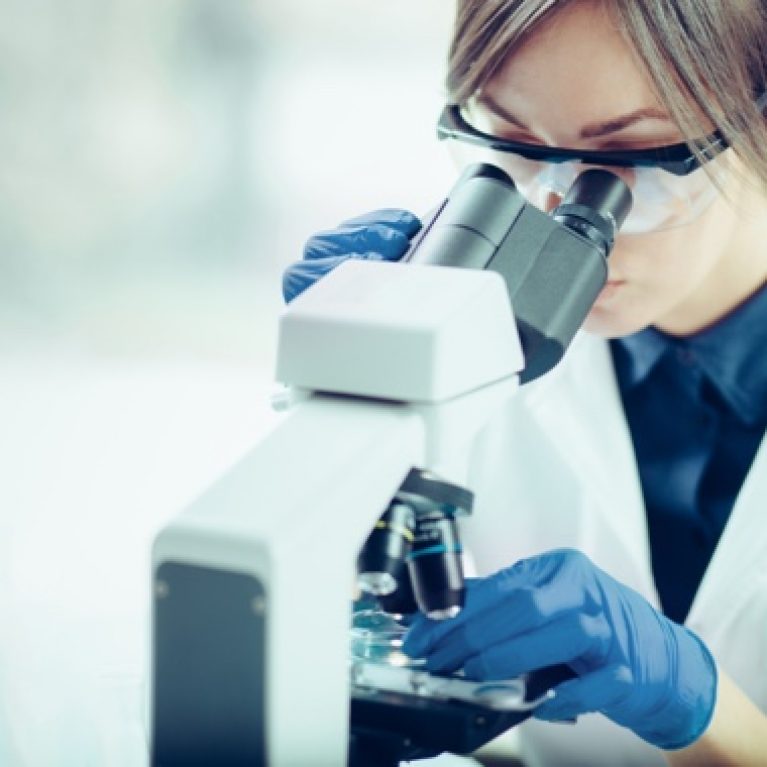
(667, 191)
(677, 159)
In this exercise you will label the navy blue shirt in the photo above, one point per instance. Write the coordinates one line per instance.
(697, 410)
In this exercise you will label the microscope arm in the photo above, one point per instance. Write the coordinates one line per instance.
(252, 595)
(250, 625)
(252, 583)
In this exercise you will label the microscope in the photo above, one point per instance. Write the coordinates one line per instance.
(393, 369)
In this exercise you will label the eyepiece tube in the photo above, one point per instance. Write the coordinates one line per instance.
(602, 191)
(595, 206)
(472, 222)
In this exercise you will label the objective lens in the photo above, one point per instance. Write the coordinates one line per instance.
(402, 600)
(381, 563)
(436, 570)
(377, 584)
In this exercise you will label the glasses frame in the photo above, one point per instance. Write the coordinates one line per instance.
(677, 159)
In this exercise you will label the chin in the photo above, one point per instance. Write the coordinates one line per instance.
(612, 324)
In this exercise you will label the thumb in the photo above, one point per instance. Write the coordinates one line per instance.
(596, 691)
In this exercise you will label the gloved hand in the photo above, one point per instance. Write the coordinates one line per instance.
(633, 664)
(377, 236)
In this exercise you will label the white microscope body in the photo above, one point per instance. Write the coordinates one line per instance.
(395, 367)
(398, 367)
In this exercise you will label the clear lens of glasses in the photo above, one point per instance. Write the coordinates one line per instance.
(661, 199)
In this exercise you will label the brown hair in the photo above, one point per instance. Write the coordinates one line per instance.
(706, 60)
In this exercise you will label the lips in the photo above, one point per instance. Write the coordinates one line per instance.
(610, 289)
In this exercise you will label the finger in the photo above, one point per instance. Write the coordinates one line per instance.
(301, 275)
(517, 615)
(570, 638)
(358, 238)
(424, 634)
(597, 691)
(396, 218)
(484, 597)
(512, 592)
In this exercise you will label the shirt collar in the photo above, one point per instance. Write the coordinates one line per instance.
(732, 353)
(642, 352)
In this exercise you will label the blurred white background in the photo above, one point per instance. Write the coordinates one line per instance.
(162, 163)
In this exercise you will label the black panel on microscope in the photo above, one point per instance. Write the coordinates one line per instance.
(208, 676)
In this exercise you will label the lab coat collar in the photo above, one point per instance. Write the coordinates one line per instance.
(737, 565)
(583, 390)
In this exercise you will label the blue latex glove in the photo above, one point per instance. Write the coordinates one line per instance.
(633, 664)
(377, 236)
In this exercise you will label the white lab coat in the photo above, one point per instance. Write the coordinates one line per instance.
(556, 468)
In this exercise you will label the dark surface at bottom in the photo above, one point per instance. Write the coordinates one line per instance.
(208, 678)
(388, 728)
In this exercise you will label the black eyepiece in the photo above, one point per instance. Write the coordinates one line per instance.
(596, 205)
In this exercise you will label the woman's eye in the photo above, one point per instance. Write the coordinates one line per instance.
(488, 123)
(637, 145)
(510, 135)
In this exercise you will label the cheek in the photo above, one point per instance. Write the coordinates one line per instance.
(651, 261)
(684, 255)
(678, 259)
(659, 271)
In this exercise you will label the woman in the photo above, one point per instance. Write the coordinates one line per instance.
(659, 601)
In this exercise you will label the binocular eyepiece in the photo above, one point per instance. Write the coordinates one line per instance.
(595, 207)
(412, 559)
(554, 266)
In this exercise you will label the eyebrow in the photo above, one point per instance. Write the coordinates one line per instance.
(594, 130)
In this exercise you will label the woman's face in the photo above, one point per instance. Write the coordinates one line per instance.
(576, 83)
